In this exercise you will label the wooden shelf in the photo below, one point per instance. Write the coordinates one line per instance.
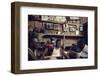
(62, 36)
(73, 23)
(49, 22)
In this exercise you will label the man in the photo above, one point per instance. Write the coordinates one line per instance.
(84, 49)
(32, 42)
(56, 54)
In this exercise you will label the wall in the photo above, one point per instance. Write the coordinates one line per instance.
(5, 30)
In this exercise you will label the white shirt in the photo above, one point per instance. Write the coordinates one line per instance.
(56, 53)
(84, 52)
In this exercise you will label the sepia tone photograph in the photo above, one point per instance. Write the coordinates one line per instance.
(50, 37)
(57, 37)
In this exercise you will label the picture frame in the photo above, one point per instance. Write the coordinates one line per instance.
(49, 26)
(72, 28)
(17, 47)
(57, 26)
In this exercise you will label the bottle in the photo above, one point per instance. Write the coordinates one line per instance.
(77, 32)
(81, 28)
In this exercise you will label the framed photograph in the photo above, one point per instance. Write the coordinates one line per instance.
(57, 27)
(32, 53)
(72, 28)
(49, 26)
